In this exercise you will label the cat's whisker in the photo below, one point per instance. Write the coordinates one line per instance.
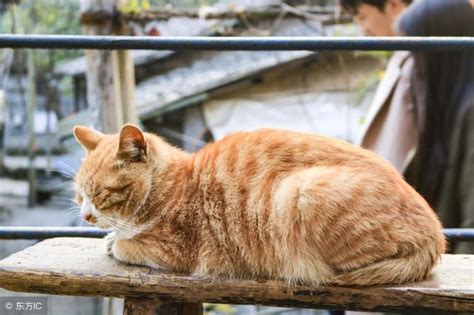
(126, 226)
(68, 187)
(122, 222)
(75, 207)
(74, 212)
(127, 229)
(116, 222)
(123, 230)
(68, 171)
(64, 174)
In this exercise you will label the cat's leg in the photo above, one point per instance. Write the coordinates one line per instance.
(349, 221)
(294, 220)
(325, 221)
(129, 251)
(109, 242)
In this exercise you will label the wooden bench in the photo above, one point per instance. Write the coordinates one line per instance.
(79, 266)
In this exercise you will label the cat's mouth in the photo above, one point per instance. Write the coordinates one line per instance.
(94, 220)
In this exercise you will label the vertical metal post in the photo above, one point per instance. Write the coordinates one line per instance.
(31, 128)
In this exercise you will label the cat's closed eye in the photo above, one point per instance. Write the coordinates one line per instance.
(79, 199)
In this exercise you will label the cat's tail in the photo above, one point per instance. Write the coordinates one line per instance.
(410, 266)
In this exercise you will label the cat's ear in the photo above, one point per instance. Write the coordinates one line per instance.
(87, 137)
(132, 144)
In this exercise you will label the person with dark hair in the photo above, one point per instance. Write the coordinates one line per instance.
(443, 88)
(375, 17)
(391, 114)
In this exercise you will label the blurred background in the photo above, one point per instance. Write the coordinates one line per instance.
(190, 98)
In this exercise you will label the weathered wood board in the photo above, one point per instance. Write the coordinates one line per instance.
(79, 266)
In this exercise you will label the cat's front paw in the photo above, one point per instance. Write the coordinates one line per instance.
(109, 243)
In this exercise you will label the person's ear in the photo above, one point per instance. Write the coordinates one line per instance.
(87, 137)
(395, 7)
(132, 144)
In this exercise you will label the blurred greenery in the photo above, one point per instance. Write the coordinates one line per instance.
(218, 309)
(39, 17)
(44, 17)
(62, 17)
(137, 6)
(182, 3)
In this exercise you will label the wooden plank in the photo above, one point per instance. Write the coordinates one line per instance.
(149, 307)
(79, 266)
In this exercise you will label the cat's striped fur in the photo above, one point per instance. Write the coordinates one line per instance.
(265, 204)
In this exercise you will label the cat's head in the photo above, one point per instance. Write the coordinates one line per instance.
(114, 179)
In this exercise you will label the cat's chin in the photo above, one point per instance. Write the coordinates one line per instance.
(103, 226)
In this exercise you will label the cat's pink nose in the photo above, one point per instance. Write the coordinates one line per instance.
(87, 216)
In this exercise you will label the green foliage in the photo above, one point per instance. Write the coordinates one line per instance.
(45, 17)
(139, 7)
(218, 309)
(135, 6)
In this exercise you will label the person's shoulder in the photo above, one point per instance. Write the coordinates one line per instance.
(401, 57)
(404, 62)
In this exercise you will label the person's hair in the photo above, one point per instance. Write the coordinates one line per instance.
(351, 6)
(446, 79)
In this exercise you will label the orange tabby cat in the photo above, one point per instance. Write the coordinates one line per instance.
(266, 204)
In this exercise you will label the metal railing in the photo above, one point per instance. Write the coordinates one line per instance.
(234, 43)
(45, 232)
(217, 43)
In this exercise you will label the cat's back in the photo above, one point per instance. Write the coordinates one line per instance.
(289, 149)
